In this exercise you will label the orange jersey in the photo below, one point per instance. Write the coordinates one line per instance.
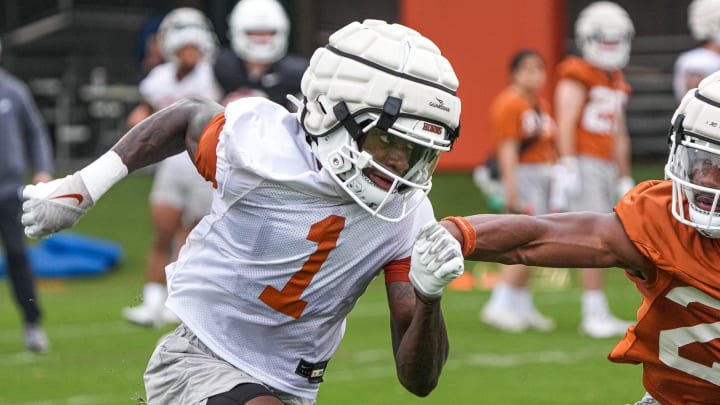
(677, 335)
(605, 101)
(514, 117)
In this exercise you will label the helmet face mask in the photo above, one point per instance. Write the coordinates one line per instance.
(258, 30)
(604, 34)
(694, 160)
(361, 167)
(379, 109)
(694, 168)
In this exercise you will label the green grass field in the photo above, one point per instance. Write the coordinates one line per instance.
(97, 358)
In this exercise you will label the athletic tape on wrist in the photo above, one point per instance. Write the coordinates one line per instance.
(467, 231)
(103, 173)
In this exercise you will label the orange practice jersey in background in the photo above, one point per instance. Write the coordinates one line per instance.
(513, 117)
(603, 111)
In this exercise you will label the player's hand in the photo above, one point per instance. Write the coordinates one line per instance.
(54, 206)
(566, 183)
(436, 260)
(624, 185)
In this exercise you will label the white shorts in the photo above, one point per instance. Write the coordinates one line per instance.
(178, 184)
(182, 370)
(598, 180)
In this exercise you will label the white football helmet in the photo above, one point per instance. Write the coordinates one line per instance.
(694, 161)
(252, 16)
(604, 33)
(372, 78)
(704, 20)
(184, 26)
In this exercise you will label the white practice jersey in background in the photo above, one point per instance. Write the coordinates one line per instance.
(160, 87)
(268, 277)
(698, 61)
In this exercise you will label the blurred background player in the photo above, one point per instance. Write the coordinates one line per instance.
(694, 65)
(25, 143)
(593, 142)
(524, 135)
(257, 63)
(179, 197)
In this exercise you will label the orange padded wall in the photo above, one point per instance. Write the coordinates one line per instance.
(479, 37)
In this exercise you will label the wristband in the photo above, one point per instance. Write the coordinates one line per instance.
(103, 173)
(467, 231)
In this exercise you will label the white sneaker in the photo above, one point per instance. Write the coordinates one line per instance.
(538, 321)
(150, 316)
(510, 320)
(504, 319)
(604, 326)
(35, 339)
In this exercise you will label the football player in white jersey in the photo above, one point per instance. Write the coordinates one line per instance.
(179, 198)
(308, 208)
(694, 65)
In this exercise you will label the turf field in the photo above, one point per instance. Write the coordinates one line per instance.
(97, 358)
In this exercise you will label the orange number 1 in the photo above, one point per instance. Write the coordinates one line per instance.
(287, 300)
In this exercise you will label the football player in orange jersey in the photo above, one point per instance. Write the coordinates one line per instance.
(593, 143)
(666, 234)
(524, 136)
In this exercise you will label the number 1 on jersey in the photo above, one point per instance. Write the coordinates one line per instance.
(325, 233)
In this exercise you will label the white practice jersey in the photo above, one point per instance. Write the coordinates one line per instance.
(160, 87)
(698, 62)
(267, 279)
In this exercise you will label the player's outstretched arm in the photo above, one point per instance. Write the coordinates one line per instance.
(167, 132)
(420, 341)
(59, 204)
(582, 240)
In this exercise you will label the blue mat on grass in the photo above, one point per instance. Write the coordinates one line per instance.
(69, 255)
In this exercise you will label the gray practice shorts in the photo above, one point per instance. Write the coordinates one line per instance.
(599, 185)
(182, 370)
(178, 184)
(534, 182)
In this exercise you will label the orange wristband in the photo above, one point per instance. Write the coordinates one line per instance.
(467, 231)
